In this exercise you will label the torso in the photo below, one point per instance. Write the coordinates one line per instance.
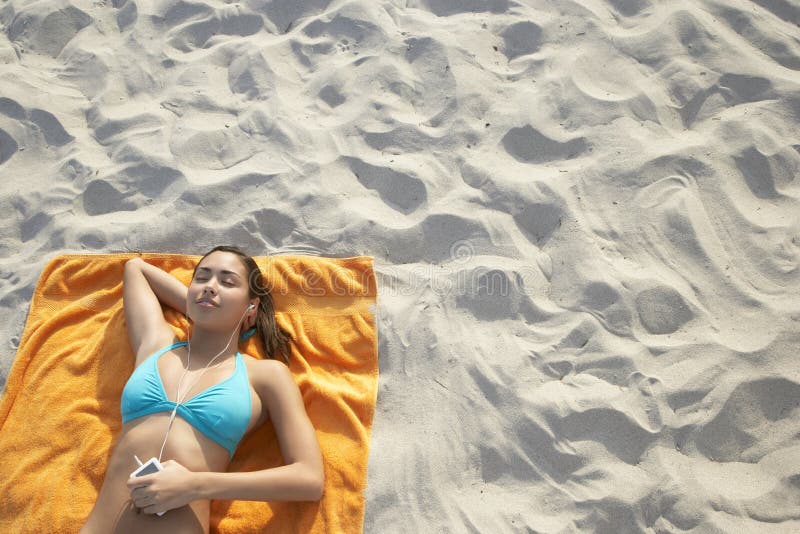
(113, 512)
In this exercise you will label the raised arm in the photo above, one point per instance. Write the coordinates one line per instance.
(143, 286)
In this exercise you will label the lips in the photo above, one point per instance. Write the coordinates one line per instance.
(206, 303)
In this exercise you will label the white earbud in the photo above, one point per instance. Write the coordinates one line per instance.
(251, 306)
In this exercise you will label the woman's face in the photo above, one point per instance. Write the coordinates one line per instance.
(218, 295)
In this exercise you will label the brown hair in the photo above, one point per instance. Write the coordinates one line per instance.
(276, 339)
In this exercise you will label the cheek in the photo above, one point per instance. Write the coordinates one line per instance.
(192, 291)
(243, 298)
(234, 295)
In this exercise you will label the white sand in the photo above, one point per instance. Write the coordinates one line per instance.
(584, 216)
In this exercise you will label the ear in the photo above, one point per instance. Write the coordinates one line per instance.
(251, 313)
(252, 310)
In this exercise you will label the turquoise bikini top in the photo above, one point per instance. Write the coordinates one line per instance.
(221, 412)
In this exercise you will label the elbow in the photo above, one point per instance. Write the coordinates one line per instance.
(320, 489)
(317, 487)
(314, 485)
(133, 263)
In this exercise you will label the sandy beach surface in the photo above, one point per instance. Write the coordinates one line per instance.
(584, 217)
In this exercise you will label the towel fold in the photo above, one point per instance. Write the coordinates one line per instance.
(59, 413)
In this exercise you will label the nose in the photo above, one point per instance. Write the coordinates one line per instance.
(209, 287)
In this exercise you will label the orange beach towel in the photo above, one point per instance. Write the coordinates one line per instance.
(59, 413)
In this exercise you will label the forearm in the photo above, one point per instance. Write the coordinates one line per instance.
(294, 482)
(167, 289)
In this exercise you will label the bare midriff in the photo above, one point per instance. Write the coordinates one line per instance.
(114, 511)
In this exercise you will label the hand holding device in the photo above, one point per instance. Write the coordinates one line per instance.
(150, 466)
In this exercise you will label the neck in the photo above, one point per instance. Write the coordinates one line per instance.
(206, 344)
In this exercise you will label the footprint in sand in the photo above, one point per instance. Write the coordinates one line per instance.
(8, 146)
(398, 190)
(530, 146)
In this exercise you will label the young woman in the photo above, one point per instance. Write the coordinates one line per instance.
(190, 404)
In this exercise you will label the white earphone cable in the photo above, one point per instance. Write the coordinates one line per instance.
(178, 398)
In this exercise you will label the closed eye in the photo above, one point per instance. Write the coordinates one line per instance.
(225, 282)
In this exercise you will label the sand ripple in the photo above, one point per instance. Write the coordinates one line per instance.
(585, 218)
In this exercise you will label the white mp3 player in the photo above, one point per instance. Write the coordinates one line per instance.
(150, 466)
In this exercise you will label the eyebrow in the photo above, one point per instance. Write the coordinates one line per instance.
(224, 272)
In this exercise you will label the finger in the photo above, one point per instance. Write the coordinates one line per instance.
(139, 482)
(140, 494)
(152, 509)
(135, 483)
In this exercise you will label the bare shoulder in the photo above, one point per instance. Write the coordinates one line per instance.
(165, 340)
(269, 375)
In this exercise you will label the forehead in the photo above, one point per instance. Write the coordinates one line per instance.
(223, 261)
